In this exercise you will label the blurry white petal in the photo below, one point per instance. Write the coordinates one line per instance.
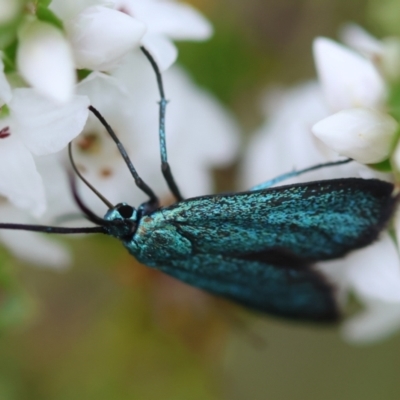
(36, 249)
(44, 126)
(348, 80)
(101, 36)
(19, 180)
(45, 60)
(69, 9)
(390, 61)
(162, 49)
(178, 21)
(213, 118)
(97, 85)
(377, 322)
(360, 40)
(396, 158)
(54, 173)
(374, 272)
(9, 10)
(5, 89)
(366, 135)
(31, 247)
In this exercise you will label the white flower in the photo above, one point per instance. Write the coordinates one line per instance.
(373, 273)
(45, 60)
(164, 21)
(285, 141)
(35, 126)
(352, 83)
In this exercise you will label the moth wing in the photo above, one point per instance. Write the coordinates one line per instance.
(297, 293)
(314, 221)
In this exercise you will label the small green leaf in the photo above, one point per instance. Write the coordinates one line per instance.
(44, 3)
(383, 166)
(4, 111)
(83, 73)
(46, 15)
(394, 100)
(9, 57)
(8, 34)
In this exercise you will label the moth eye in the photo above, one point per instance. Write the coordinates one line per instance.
(125, 211)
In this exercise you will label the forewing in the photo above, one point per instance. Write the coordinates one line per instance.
(297, 293)
(312, 221)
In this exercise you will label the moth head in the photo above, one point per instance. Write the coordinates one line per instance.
(122, 221)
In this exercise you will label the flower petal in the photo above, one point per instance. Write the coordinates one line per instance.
(5, 88)
(19, 180)
(29, 246)
(9, 10)
(374, 272)
(379, 321)
(44, 126)
(178, 21)
(390, 61)
(162, 49)
(101, 36)
(69, 9)
(359, 39)
(366, 135)
(45, 60)
(348, 80)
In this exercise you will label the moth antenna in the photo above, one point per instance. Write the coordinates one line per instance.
(165, 167)
(89, 213)
(83, 179)
(53, 229)
(138, 180)
(292, 174)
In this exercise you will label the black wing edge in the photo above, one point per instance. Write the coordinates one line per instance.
(388, 195)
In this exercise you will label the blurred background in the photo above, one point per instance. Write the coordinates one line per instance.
(111, 328)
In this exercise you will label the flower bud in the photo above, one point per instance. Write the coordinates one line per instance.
(364, 134)
(348, 79)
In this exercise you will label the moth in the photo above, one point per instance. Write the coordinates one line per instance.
(256, 248)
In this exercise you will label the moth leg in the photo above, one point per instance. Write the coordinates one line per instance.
(292, 174)
(165, 167)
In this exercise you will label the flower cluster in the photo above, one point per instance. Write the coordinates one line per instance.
(60, 57)
(351, 111)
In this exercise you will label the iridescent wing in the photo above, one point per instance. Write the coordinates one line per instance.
(314, 221)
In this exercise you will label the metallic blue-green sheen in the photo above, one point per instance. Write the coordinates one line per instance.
(258, 247)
